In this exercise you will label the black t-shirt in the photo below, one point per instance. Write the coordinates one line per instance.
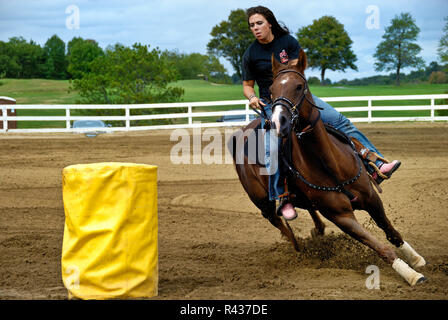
(257, 60)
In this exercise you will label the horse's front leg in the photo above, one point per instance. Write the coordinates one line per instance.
(268, 211)
(319, 229)
(376, 211)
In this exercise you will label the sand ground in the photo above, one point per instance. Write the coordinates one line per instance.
(213, 242)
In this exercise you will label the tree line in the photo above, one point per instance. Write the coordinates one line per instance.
(56, 60)
(432, 73)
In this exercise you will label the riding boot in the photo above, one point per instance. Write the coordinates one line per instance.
(385, 171)
(378, 167)
(285, 208)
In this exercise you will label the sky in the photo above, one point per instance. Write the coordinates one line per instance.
(185, 25)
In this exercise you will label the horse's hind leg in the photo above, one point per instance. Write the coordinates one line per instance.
(376, 211)
(319, 229)
(268, 211)
(347, 222)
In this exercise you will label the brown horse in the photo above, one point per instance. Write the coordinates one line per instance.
(325, 174)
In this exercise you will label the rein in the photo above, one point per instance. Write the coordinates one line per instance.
(294, 109)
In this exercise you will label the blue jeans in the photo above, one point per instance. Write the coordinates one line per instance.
(272, 143)
(330, 116)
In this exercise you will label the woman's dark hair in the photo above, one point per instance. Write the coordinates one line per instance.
(277, 29)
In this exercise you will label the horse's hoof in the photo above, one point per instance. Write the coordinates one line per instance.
(316, 234)
(299, 245)
(421, 280)
(419, 263)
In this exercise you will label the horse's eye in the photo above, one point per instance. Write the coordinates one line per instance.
(299, 87)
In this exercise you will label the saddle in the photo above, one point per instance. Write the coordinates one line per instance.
(367, 156)
(339, 134)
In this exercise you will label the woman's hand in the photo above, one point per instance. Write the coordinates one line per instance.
(248, 91)
(256, 103)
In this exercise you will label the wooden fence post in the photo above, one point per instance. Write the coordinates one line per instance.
(432, 109)
(67, 120)
(6, 111)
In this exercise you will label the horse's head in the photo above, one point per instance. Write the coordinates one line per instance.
(288, 92)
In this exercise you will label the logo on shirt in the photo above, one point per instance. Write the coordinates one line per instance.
(283, 56)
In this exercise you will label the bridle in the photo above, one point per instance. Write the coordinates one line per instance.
(294, 108)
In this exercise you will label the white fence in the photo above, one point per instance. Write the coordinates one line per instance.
(194, 117)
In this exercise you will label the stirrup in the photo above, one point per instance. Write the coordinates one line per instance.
(379, 177)
(289, 216)
(371, 157)
(283, 199)
(367, 154)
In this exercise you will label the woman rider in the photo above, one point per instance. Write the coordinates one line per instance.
(271, 38)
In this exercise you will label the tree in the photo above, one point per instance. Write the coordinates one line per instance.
(215, 69)
(437, 77)
(193, 65)
(231, 38)
(127, 76)
(398, 50)
(8, 64)
(55, 61)
(443, 44)
(327, 46)
(21, 59)
(312, 81)
(80, 53)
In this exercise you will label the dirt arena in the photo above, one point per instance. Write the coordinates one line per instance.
(213, 242)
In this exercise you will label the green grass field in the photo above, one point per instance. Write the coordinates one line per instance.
(41, 91)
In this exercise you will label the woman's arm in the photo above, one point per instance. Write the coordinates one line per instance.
(249, 93)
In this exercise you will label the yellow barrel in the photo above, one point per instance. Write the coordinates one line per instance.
(111, 227)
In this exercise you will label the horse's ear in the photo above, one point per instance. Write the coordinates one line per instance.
(302, 63)
(275, 64)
